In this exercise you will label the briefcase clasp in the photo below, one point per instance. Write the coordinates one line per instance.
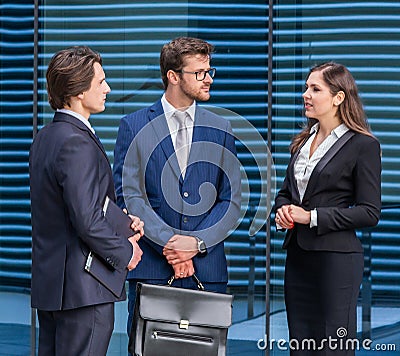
(184, 324)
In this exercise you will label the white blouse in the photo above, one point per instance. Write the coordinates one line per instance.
(305, 164)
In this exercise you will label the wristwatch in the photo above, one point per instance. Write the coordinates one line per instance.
(201, 247)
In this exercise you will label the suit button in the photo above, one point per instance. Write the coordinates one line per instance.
(185, 194)
(185, 219)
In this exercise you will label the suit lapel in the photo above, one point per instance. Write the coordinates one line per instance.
(196, 153)
(98, 143)
(295, 189)
(202, 131)
(161, 131)
(324, 161)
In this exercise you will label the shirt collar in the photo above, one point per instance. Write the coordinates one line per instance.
(314, 128)
(78, 116)
(170, 109)
(339, 131)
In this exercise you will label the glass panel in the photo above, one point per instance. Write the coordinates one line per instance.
(16, 82)
(364, 37)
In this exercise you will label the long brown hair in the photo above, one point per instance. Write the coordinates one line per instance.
(350, 111)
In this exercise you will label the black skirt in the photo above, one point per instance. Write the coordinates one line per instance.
(321, 292)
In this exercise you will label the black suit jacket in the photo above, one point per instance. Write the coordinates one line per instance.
(70, 177)
(345, 188)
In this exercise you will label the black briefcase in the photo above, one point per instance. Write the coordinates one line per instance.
(171, 321)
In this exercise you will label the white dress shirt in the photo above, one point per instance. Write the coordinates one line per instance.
(173, 124)
(79, 117)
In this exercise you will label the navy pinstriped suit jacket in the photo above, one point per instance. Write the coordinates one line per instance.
(148, 177)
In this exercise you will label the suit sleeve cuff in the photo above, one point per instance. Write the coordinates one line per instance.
(132, 256)
(314, 218)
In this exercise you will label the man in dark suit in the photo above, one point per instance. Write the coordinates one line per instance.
(188, 195)
(70, 178)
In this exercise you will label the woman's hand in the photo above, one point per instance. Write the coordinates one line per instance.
(283, 218)
(299, 215)
(287, 215)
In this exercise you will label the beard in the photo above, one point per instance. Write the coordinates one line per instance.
(197, 94)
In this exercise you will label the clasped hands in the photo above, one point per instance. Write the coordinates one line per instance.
(287, 215)
(179, 251)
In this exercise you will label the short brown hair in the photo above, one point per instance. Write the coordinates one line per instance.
(70, 73)
(173, 53)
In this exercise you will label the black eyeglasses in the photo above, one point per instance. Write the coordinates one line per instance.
(200, 75)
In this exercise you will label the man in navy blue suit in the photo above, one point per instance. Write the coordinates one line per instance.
(175, 167)
(70, 178)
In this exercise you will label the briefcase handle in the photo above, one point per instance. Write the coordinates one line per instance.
(199, 284)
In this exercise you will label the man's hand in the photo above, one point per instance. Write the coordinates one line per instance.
(137, 252)
(137, 224)
(180, 248)
(183, 269)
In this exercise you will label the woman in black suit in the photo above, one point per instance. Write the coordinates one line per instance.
(332, 187)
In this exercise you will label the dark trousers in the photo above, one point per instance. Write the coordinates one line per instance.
(321, 291)
(187, 283)
(83, 331)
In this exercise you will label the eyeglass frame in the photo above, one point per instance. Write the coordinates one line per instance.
(209, 71)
